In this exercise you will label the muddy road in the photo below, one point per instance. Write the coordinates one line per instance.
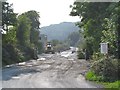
(59, 70)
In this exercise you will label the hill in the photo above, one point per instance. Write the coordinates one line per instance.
(59, 31)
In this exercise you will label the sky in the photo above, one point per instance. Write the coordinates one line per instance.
(51, 11)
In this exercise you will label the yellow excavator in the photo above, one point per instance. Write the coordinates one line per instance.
(49, 48)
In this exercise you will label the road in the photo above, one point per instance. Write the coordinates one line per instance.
(60, 70)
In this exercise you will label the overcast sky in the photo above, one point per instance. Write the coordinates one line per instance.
(51, 11)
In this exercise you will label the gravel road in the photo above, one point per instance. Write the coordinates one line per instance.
(59, 70)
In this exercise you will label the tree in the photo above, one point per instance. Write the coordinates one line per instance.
(92, 15)
(73, 38)
(34, 34)
(101, 23)
(111, 31)
(8, 16)
(23, 30)
(10, 37)
(117, 9)
(34, 31)
(55, 42)
(9, 50)
(21, 40)
(28, 34)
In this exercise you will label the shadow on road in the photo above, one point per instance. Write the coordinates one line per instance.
(15, 71)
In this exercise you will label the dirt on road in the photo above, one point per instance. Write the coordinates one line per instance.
(49, 71)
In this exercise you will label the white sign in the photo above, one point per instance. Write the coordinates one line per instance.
(104, 48)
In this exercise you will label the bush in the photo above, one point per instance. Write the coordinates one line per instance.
(80, 55)
(13, 54)
(10, 55)
(61, 47)
(90, 75)
(107, 68)
(97, 56)
(115, 84)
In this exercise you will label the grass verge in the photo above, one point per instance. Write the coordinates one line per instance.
(99, 79)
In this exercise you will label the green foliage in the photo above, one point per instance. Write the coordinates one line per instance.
(113, 85)
(8, 16)
(23, 30)
(34, 18)
(10, 37)
(80, 55)
(74, 38)
(107, 68)
(16, 43)
(28, 34)
(109, 34)
(97, 56)
(55, 42)
(61, 47)
(34, 31)
(40, 48)
(90, 75)
(100, 23)
(10, 55)
(92, 15)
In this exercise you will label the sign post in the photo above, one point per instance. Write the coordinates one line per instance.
(104, 49)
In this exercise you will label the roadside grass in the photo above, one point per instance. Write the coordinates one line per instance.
(115, 84)
(90, 75)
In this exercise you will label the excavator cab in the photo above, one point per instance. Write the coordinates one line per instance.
(49, 48)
